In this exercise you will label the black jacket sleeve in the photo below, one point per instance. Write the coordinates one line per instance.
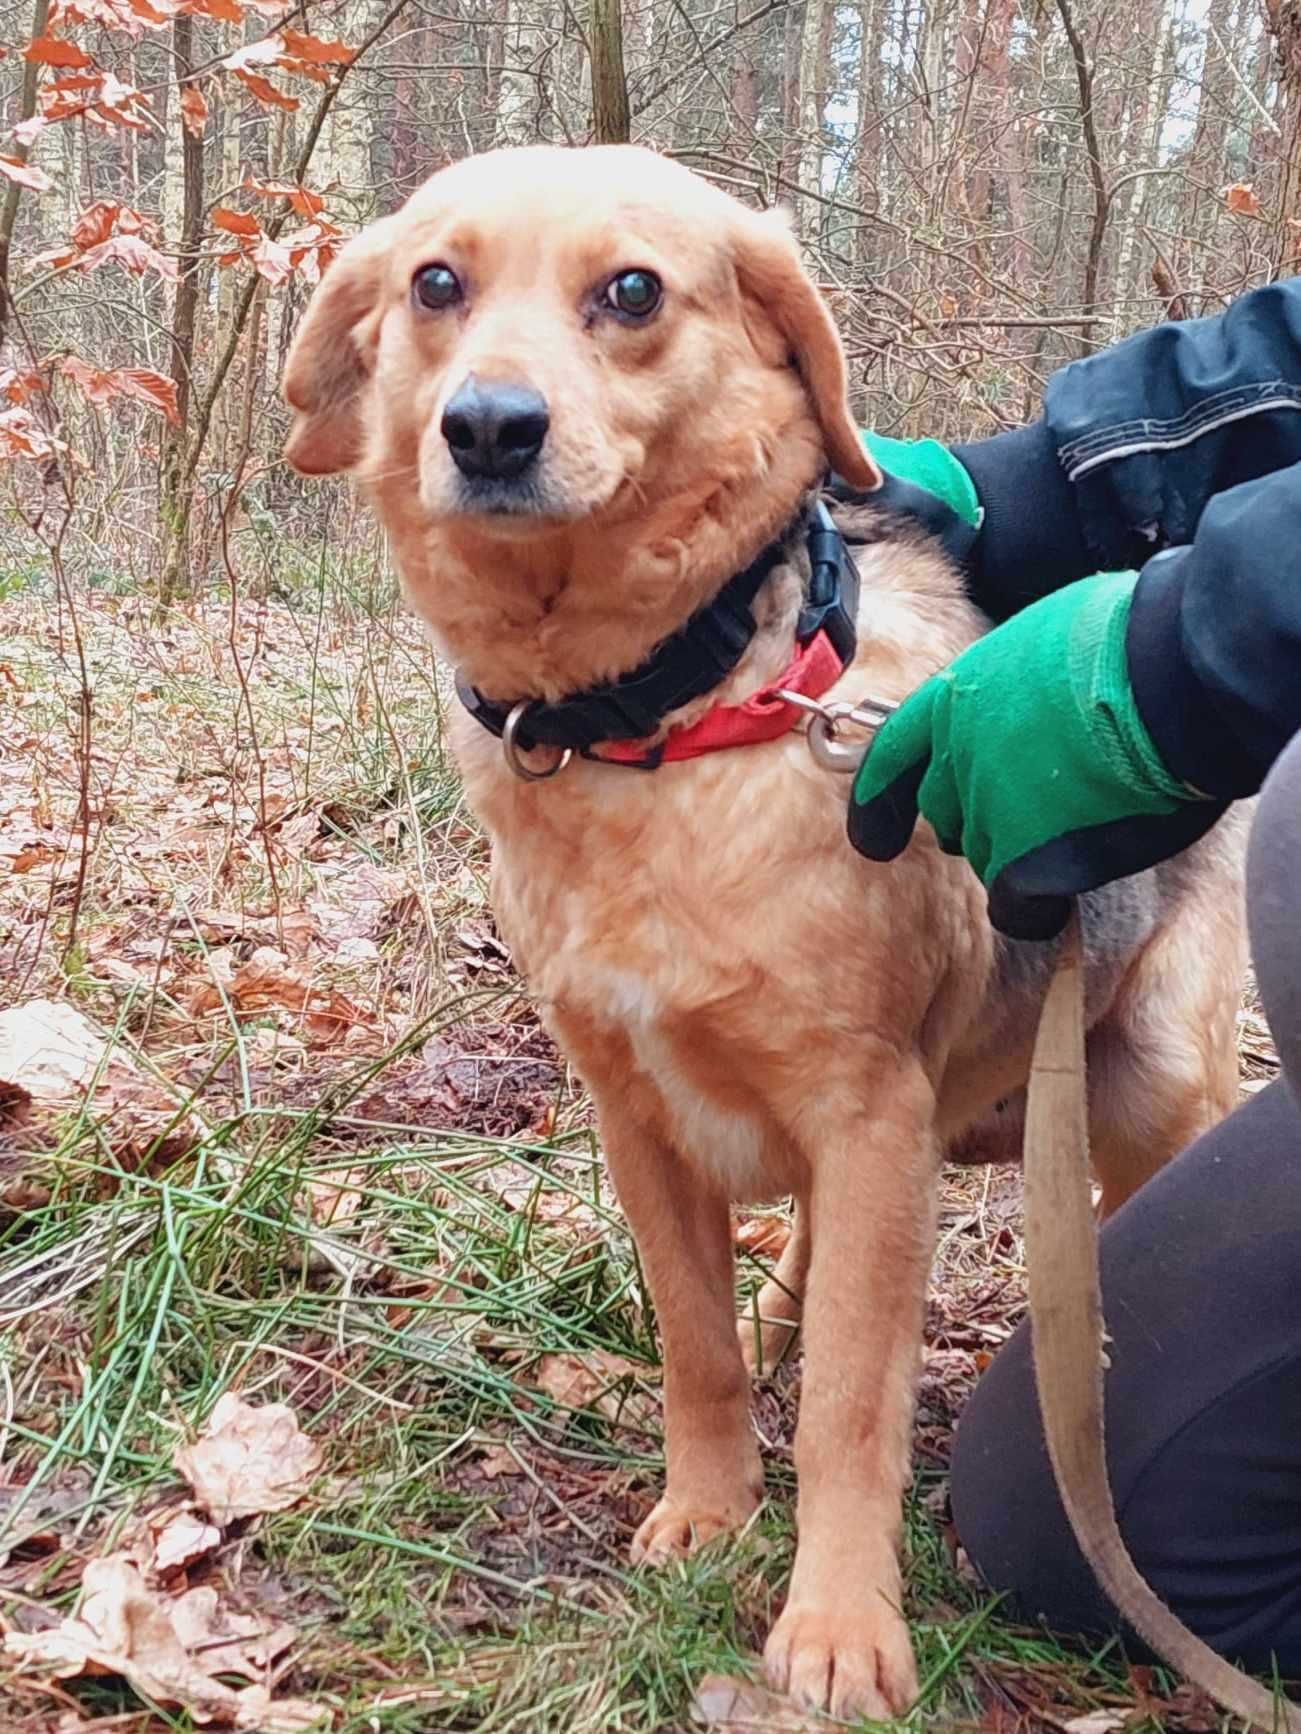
(1214, 639)
(1177, 452)
(1132, 444)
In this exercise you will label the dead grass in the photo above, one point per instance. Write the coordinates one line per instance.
(339, 1165)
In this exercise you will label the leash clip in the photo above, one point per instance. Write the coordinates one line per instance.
(827, 720)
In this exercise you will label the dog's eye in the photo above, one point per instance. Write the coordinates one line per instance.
(635, 294)
(436, 287)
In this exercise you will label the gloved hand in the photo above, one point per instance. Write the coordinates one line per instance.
(925, 483)
(1028, 755)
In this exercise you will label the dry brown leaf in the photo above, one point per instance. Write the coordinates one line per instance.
(737, 1706)
(194, 109)
(1242, 199)
(597, 1380)
(124, 1628)
(764, 1235)
(48, 1050)
(497, 1460)
(173, 1540)
(224, 1641)
(248, 1460)
(334, 1198)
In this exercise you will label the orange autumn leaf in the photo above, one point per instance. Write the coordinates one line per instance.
(194, 109)
(53, 51)
(307, 69)
(14, 169)
(18, 387)
(142, 384)
(22, 436)
(313, 49)
(225, 11)
(235, 222)
(1241, 198)
(132, 253)
(264, 90)
(301, 199)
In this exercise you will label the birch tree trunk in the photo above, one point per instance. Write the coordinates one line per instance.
(811, 116)
(177, 487)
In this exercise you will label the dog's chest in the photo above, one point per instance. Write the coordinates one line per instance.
(652, 936)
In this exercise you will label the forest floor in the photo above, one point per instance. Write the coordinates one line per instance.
(277, 1124)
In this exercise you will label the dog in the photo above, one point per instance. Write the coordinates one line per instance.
(584, 389)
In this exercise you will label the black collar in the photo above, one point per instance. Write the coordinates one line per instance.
(698, 656)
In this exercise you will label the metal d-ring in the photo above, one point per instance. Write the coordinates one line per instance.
(514, 756)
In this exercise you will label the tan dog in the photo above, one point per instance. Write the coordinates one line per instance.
(582, 390)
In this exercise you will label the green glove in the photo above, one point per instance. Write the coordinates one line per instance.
(1028, 755)
(927, 464)
(924, 483)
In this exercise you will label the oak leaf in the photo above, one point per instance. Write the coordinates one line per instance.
(122, 1627)
(248, 1460)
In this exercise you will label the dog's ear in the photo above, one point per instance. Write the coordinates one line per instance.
(770, 271)
(332, 355)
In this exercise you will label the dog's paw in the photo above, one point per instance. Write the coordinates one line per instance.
(850, 1662)
(674, 1530)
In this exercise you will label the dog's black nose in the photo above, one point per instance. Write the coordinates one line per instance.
(495, 430)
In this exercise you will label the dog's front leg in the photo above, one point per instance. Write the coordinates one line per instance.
(683, 1233)
(841, 1644)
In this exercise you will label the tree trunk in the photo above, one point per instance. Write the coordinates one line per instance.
(868, 165)
(1097, 177)
(13, 192)
(177, 485)
(611, 120)
(810, 112)
(1143, 154)
(1284, 19)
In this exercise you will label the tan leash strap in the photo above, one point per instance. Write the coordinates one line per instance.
(1067, 1329)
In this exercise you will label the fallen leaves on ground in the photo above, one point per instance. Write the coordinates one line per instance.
(172, 1539)
(267, 983)
(736, 1706)
(597, 1380)
(48, 1051)
(249, 1460)
(766, 1236)
(52, 1057)
(169, 1650)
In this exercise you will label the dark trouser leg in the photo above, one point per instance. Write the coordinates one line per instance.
(1202, 1288)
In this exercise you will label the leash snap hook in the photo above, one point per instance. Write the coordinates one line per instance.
(826, 721)
(514, 753)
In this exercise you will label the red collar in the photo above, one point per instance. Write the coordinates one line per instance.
(815, 669)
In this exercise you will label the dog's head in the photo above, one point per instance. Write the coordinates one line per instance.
(544, 335)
